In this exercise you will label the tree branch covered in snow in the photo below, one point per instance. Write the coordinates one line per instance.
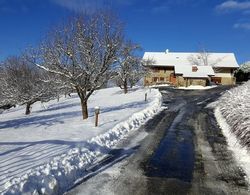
(82, 53)
(235, 107)
(203, 58)
(22, 83)
(245, 68)
(129, 69)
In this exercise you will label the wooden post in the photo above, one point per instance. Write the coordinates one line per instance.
(146, 96)
(97, 112)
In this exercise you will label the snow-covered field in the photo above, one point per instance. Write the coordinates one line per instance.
(233, 115)
(50, 149)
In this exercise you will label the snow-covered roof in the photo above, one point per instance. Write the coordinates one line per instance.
(202, 71)
(181, 58)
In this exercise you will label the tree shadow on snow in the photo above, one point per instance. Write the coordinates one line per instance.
(58, 118)
(138, 104)
(46, 120)
(130, 90)
(58, 107)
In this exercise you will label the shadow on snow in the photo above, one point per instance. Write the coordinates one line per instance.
(58, 118)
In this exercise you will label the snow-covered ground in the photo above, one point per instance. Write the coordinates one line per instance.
(232, 112)
(197, 87)
(159, 85)
(50, 149)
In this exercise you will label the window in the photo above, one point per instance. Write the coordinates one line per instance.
(161, 78)
(216, 80)
(155, 79)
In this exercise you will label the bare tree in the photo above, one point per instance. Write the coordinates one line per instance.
(82, 52)
(203, 58)
(22, 83)
(129, 69)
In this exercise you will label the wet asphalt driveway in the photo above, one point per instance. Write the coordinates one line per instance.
(184, 152)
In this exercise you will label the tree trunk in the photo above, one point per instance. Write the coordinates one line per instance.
(125, 86)
(28, 106)
(84, 98)
(84, 105)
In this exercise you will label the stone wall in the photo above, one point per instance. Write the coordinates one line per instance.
(194, 81)
(160, 76)
(228, 80)
(180, 81)
(183, 82)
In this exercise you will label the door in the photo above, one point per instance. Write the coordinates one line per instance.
(172, 78)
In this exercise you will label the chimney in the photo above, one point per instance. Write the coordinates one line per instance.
(194, 68)
(167, 51)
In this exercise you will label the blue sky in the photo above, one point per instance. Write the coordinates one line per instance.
(157, 25)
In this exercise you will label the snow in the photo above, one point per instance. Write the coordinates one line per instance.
(245, 67)
(202, 71)
(182, 59)
(235, 108)
(241, 154)
(232, 112)
(197, 87)
(53, 147)
(159, 85)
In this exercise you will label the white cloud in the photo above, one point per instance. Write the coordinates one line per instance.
(231, 5)
(242, 26)
(242, 7)
(86, 6)
(90, 6)
(159, 9)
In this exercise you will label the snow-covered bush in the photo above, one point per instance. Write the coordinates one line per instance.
(245, 67)
(235, 107)
(243, 73)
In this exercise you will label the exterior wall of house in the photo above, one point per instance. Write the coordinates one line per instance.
(180, 81)
(158, 75)
(197, 81)
(185, 82)
(224, 76)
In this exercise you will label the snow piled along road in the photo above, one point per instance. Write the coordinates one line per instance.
(46, 152)
(233, 115)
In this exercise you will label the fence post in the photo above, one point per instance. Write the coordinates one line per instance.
(97, 112)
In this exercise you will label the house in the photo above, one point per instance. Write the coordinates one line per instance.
(184, 69)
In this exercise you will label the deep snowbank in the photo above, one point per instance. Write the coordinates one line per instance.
(235, 108)
(232, 113)
(61, 172)
(241, 154)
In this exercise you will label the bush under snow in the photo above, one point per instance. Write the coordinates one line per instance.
(245, 67)
(234, 105)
